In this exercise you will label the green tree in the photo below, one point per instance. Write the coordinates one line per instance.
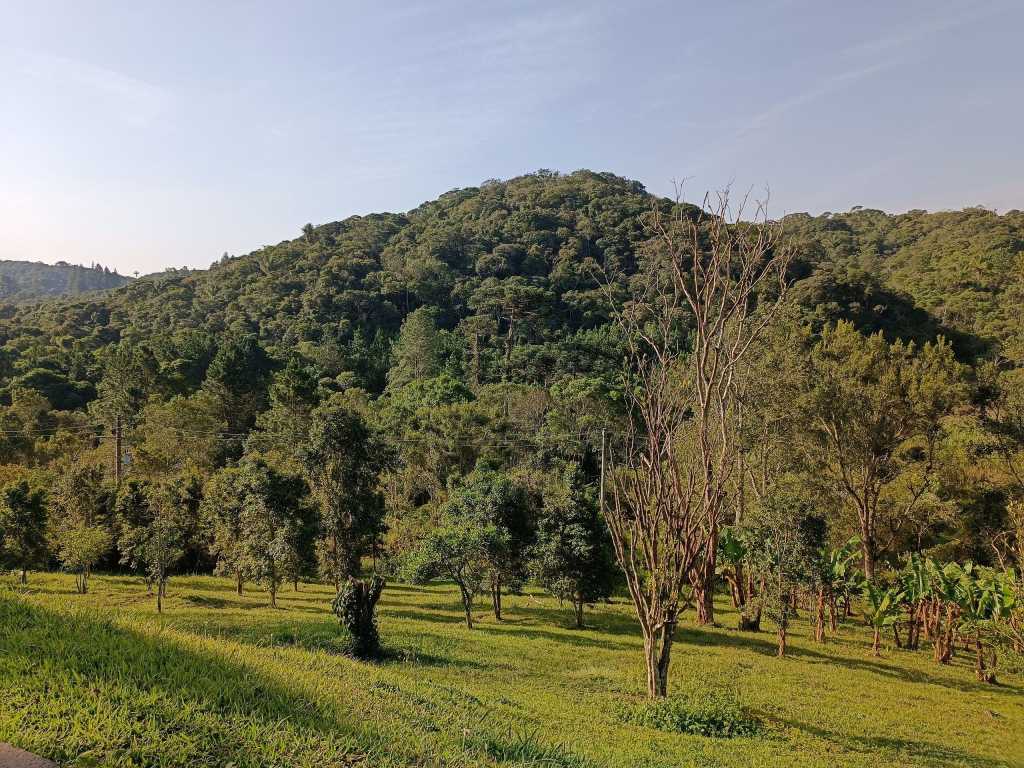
(79, 504)
(495, 498)
(221, 512)
(882, 608)
(271, 523)
(284, 426)
(877, 411)
(132, 515)
(459, 549)
(984, 597)
(23, 527)
(177, 434)
(237, 380)
(784, 536)
(164, 538)
(343, 458)
(417, 353)
(127, 376)
(573, 557)
(153, 526)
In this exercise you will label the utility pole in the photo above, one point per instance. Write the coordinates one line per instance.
(117, 451)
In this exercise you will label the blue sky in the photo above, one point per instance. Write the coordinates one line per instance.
(144, 135)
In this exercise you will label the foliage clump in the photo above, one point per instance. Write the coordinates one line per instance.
(713, 712)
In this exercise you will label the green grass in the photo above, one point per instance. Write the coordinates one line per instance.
(102, 680)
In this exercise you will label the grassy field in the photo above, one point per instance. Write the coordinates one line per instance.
(218, 680)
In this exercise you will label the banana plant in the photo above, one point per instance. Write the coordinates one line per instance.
(732, 553)
(916, 582)
(984, 597)
(841, 578)
(837, 577)
(942, 612)
(882, 609)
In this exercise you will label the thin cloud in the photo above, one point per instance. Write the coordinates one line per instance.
(896, 49)
(136, 100)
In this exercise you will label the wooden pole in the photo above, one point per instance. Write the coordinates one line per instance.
(117, 451)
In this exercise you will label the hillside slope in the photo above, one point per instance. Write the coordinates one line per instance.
(512, 271)
(21, 280)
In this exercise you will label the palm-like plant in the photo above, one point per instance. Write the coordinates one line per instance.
(881, 609)
(838, 577)
(942, 610)
(732, 553)
(916, 584)
(984, 597)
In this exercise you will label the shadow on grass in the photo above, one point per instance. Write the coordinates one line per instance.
(760, 643)
(205, 601)
(526, 620)
(144, 697)
(936, 754)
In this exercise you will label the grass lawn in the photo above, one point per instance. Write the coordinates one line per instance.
(218, 680)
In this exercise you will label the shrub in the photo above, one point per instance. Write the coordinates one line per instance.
(715, 713)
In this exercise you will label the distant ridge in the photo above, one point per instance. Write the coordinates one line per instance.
(23, 280)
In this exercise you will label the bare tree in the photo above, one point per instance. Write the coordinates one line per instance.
(711, 284)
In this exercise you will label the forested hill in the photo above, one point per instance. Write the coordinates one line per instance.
(510, 272)
(20, 280)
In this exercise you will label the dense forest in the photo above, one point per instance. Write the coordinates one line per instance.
(437, 391)
(22, 280)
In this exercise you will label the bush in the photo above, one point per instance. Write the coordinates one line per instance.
(715, 713)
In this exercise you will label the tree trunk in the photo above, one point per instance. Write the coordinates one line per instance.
(703, 581)
(983, 674)
(467, 605)
(705, 606)
(578, 610)
(24, 575)
(833, 613)
(273, 595)
(496, 597)
(739, 597)
(867, 546)
(658, 651)
(159, 601)
(238, 582)
(782, 639)
(876, 643)
(819, 626)
(896, 635)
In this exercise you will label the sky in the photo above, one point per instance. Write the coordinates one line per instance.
(143, 135)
